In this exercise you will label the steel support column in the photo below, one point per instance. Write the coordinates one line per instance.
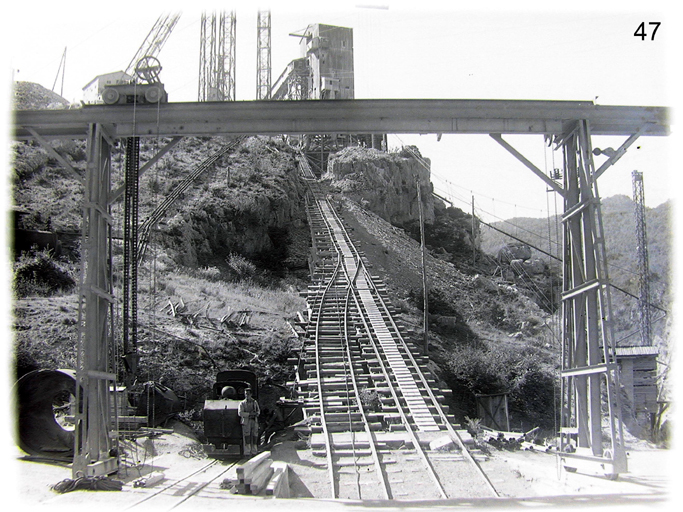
(589, 369)
(95, 358)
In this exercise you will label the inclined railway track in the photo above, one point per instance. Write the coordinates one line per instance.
(368, 396)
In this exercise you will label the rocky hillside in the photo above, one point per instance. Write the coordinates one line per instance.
(31, 96)
(619, 224)
(383, 183)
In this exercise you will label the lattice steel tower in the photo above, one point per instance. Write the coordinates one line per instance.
(643, 260)
(263, 67)
(217, 57)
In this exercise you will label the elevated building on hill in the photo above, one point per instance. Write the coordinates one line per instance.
(324, 69)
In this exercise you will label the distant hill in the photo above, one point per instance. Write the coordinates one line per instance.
(619, 225)
(31, 96)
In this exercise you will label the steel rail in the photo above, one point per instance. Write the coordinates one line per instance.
(366, 424)
(418, 448)
(349, 289)
(190, 475)
(401, 408)
(321, 401)
(339, 230)
(454, 434)
(196, 490)
(328, 442)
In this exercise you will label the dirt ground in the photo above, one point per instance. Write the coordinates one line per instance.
(522, 479)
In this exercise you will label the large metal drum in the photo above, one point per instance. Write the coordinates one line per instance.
(45, 399)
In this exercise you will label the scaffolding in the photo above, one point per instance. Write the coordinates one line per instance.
(217, 57)
(644, 317)
(263, 66)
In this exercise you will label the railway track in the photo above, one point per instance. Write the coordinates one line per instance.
(203, 482)
(368, 397)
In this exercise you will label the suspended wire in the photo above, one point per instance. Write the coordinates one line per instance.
(443, 178)
(478, 212)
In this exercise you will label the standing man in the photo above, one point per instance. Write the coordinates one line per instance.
(249, 412)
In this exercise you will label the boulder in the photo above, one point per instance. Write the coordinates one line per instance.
(514, 251)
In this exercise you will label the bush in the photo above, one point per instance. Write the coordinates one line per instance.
(39, 274)
(522, 373)
(241, 266)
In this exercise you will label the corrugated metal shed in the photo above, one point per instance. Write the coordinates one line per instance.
(637, 351)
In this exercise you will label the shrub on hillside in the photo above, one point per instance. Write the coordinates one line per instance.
(241, 266)
(39, 274)
(438, 302)
(28, 160)
(522, 373)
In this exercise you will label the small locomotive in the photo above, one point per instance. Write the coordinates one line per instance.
(222, 426)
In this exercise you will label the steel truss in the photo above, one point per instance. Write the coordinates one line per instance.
(95, 367)
(263, 67)
(644, 314)
(590, 375)
(217, 57)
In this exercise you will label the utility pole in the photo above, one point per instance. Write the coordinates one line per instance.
(263, 69)
(425, 286)
(644, 316)
(474, 248)
(62, 68)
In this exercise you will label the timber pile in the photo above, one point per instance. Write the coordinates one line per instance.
(512, 441)
(260, 476)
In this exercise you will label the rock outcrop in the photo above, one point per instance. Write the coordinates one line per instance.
(384, 183)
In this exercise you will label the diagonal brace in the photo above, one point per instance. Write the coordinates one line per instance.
(51, 151)
(119, 191)
(555, 186)
(618, 153)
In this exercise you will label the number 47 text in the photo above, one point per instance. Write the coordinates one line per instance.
(640, 31)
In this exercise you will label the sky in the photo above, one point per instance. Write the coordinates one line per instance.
(489, 52)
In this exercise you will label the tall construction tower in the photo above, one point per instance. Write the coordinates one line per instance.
(217, 57)
(263, 67)
(643, 260)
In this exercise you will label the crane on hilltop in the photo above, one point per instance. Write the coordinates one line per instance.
(154, 42)
(144, 67)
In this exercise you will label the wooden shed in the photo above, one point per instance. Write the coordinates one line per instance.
(638, 371)
(493, 411)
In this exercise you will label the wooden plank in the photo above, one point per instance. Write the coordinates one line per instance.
(261, 477)
(278, 486)
(248, 467)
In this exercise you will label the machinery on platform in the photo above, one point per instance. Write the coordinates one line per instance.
(222, 426)
(145, 89)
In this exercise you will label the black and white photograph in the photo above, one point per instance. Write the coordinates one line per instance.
(304, 255)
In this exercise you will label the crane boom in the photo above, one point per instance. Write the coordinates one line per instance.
(155, 40)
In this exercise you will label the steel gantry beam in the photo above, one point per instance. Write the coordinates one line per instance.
(344, 116)
(589, 370)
